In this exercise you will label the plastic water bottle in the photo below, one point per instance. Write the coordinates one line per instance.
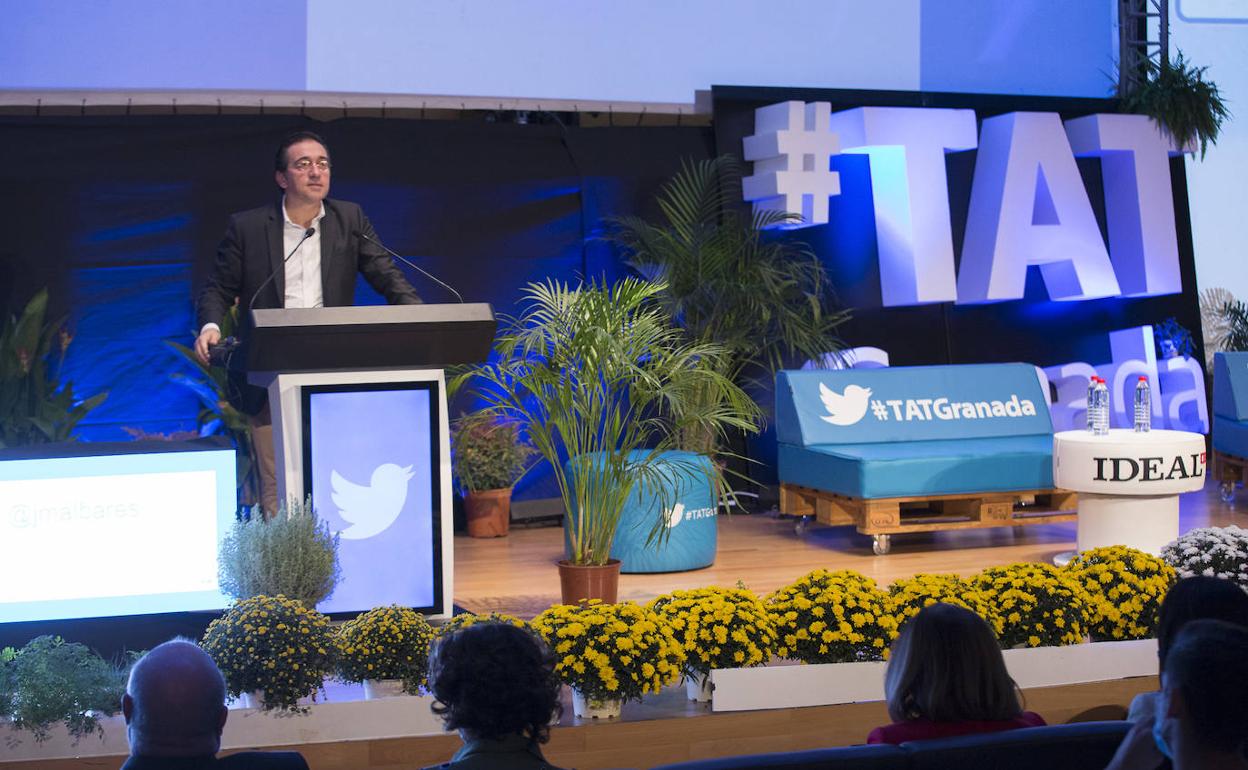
(1143, 406)
(1091, 404)
(1101, 426)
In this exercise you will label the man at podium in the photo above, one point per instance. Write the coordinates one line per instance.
(302, 251)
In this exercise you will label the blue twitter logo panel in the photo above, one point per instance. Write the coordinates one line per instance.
(373, 473)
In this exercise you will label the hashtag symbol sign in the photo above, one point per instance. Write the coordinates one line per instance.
(880, 410)
(791, 149)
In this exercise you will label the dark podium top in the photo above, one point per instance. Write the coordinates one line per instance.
(369, 337)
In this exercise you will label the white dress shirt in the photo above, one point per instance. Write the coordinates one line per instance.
(303, 269)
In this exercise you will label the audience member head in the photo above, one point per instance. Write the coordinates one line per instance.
(492, 680)
(1203, 709)
(1199, 598)
(175, 702)
(946, 666)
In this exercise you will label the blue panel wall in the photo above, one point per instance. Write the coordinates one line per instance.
(1031, 47)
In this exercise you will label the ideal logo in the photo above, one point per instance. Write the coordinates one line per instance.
(678, 513)
(847, 407)
(850, 406)
(370, 510)
(1150, 468)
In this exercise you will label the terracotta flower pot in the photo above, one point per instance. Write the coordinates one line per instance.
(585, 581)
(488, 512)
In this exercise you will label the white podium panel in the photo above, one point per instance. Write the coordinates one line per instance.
(372, 449)
(1129, 483)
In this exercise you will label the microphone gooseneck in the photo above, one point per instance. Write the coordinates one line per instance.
(408, 262)
(311, 231)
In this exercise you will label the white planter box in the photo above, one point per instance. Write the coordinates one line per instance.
(787, 685)
(345, 717)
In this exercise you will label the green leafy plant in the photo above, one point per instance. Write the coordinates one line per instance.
(601, 378)
(7, 655)
(216, 414)
(35, 406)
(1224, 321)
(51, 681)
(488, 454)
(1179, 98)
(765, 300)
(292, 554)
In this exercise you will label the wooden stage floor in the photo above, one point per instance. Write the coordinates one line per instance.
(516, 574)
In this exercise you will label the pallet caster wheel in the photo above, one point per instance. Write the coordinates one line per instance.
(1227, 492)
(881, 545)
(803, 524)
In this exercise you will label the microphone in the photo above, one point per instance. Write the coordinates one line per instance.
(408, 262)
(311, 231)
(221, 353)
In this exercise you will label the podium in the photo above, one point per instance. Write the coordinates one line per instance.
(360, 424)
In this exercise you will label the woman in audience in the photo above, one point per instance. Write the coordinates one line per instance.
(496, 685)
(1201, 717)
(1193, 598)
(946, 677)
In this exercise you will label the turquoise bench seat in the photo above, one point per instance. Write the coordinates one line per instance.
(920, 431)
(921, 468)
(1230, 436)
(1230, 403)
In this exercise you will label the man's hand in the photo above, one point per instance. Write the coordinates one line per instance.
(1138, 751)
(206, 337)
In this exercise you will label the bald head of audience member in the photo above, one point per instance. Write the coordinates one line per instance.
(175, 703)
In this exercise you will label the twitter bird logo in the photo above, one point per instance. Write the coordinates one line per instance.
(370, 510)
(847, 407)
(673, 515)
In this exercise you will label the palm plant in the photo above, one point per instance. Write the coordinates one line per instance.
(603, 383)
(765, 300)
(1225, 322)
(216, 414)
(35, 406)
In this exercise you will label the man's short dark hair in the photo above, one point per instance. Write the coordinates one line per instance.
(279, 161)
(1199, 598)
(1208, 666)
(493, 680)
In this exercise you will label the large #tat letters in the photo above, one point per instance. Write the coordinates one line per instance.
(1028, 203)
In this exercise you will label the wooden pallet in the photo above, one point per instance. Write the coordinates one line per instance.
(1230, 473)
(889, 516)
(1229, 468)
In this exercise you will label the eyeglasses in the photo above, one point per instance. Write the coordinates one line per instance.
(305, 164)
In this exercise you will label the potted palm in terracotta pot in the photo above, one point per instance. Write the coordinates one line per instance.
(604, 384)
(489, 458)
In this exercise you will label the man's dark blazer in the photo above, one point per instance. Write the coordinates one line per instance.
(244, 760)
(253, 250)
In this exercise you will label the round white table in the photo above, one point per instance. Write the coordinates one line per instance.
(1128, 483)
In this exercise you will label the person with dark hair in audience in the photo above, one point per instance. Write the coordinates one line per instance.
(946, 677)
(496, 684)
(1193, 598)
(175, 712)
(1201, 718)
